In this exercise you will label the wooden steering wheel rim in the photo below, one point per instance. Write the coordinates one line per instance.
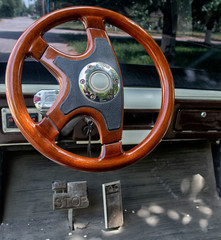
(42, 135)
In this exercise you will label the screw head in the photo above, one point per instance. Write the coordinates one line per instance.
(203, 114)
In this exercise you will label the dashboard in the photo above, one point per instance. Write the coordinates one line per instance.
(197, 112)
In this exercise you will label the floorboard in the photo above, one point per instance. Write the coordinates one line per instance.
(169, 195)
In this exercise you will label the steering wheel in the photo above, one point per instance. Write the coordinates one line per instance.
(90, 84)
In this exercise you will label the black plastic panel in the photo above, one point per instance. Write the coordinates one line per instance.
(112, 110)
(133, 76)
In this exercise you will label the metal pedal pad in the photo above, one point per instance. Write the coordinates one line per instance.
(112, 200)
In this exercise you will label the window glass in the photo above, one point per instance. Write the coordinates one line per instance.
(188, 31)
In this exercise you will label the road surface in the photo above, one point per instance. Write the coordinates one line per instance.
(11, 29)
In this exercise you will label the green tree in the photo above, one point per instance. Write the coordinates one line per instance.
(205, 14)
(12, 8)
(184, 21)
(140, 11)
(39, 7)
(169, 9)
(121, 6)
(213, 12)
(168, 42)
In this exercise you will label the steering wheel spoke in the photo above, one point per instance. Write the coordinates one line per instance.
(38, 48)
(106, 136)
(112, 150)
(46, 127)
(94, 22)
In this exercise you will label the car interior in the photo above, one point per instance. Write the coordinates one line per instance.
(110, 119)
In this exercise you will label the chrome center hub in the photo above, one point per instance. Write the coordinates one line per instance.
(99, 82)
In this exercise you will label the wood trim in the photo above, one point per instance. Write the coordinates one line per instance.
(172, 133)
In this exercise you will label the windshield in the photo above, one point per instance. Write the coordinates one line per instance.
(188, 32)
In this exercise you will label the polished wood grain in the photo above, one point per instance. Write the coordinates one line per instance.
(196, 129)
(42, 135)
(198, 120)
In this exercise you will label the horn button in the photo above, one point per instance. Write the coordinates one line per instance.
(99, 82)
